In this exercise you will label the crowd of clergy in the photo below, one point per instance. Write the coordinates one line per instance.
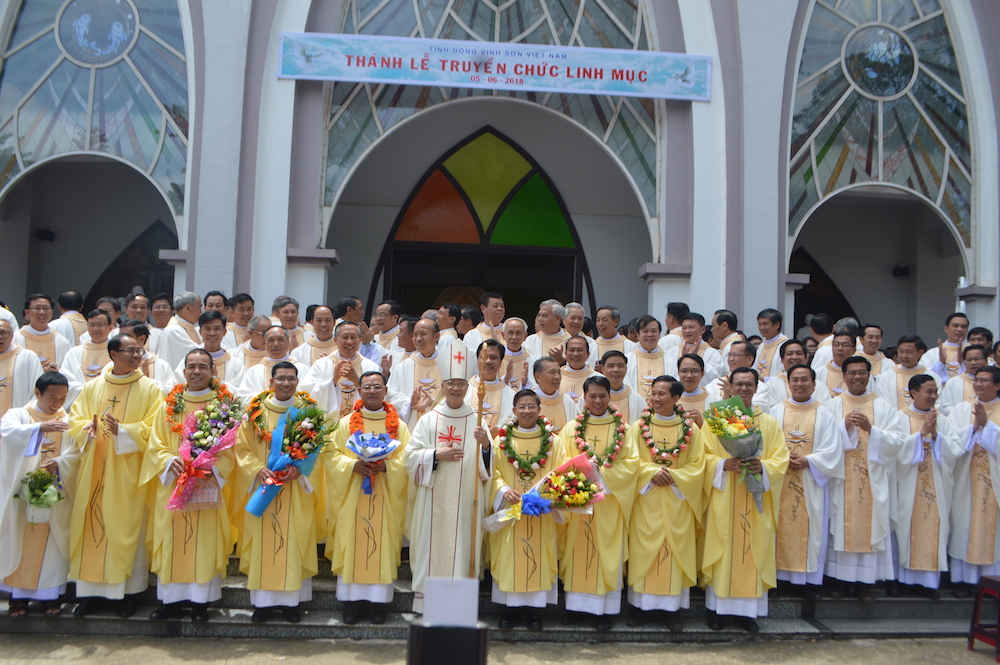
(878, 463)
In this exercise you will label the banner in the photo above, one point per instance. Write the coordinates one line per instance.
(494, 66)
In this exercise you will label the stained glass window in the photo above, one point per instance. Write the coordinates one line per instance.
(879, 98)
(360, 112)
(102, 76)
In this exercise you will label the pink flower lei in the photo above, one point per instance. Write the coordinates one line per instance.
(611, 452)
(663, 455)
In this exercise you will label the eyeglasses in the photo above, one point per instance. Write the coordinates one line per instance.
(6, 335)
(857, 372)
(372, 388)
(132, 351)
(689, 371)
(40, 309)
(285, 379)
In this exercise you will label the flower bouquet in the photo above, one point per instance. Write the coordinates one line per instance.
(297, 440)
(531, 504)
(40, 493)
(207, 433)
(731, 421)
(573, 487)
(371, 449)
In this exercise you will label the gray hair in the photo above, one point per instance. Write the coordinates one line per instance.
(281, 301)
(575, 305)
(515, 318)
(848, 324)
(184, 299)
(557, 307)
(255, 321)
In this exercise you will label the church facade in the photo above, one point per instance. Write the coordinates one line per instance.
(846, 161)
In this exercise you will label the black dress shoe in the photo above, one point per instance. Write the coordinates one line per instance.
(199, 612)
(126, 607)
(570, 618)
(352, 612)
(961, 590)
(261, 615)
(864, 593)
(638, 618)
(376, 613)
(713, 620)
(167, 611)
(748, 624)
(603, 623)
(931, 594)
(673, 621)
(291, 614)
(508, 619)
(893, 589)
(87, 606)
(533, 621)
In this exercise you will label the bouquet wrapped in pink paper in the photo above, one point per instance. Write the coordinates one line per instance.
(574, 486)
(207, 433)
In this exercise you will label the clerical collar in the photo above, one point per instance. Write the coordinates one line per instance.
(837, 366)
(664, 419)
(573, 369)
(992, 401)
(282, 402)
(494, 382)
(236, 325)
(315, 338)
(250, 345)
(389, 332)
(808, 401)
(198, 393)
(768, 341)
(546, 395)
(278, 360)
(121, 376)
(864, 394)
(912, 406)
(952, 343)
(639, 348)
(694, 394)
(514, 353)
(430, 357)
(902, 366)
(366, 412)
(444, 330)
(38, 332)
(529, 430)
(351, 359)
(217, 354)
(603, 415)
(611, 339)
(619, 391)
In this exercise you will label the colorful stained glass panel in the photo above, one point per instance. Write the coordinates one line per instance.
(438, 213)
(533, 218)
(487, 169)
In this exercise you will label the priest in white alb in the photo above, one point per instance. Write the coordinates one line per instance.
(548, 334)
(333, 379)
(258, 378)
(418, 376)
(895, 386)
(692, 334)
(958, 389)
(322, 342)
(85, 361)
(50, 347)
(226, 368)
(498, 398)
(19, 369)
(647, 360)
(769, 326)
(181, 334)
(492, 306)
(556, 405)
(629, 402)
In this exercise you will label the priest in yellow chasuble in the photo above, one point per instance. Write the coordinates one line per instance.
(278, 549)
(738, 565)
(662, 554)
(924, 474)
(364, 533)
(110, 424)
(524, 557)
(449, 461)
(593, 548)
(34, 558)
(861, 505)
(974, 543)
(189, 548)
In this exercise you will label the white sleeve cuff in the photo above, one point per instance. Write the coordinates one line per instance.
(307, 486)
(168, 476)
(719, 482)
(124, 443)
(499, 500)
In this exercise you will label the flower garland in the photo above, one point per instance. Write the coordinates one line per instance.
(526, 467)
(611, 452)
(357, 421)
(255, 412)
(663, 455)
(175, 407)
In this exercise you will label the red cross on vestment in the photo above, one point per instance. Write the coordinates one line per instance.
(450, 437)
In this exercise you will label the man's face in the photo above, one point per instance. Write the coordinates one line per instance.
(373, 392)
(323, 323)
(445, 319)
(218, 303)
(811, 345)
(843, 348)
(856, 377)
(405, 337)
(801, 384)
(767, 329)
(128, 358)
(719, 331)
(549, 378)
(957, 329)
(424, 338)
(614, 369)
(974, 360)
(6, 336)
(596, 399)
(871, 341)
(197, 371)
(745, 387)
(526, 409)
(577, 353)
(908, 355)
(288, 316)
(39, 313)
(691, 331)
(464, 325)
(110, 309)
(52, 399)
(661, 399)
(242, 313)
(926, 397)
(356, 313)
(284, 383)
(514, 335)
(384, 318)
(794, 355)
(649, 335)
(494, 311)
(984, 387)
(690, 374)
(454, 391)
(162, 311)
(190, 313)
(348, 341)
(606, 325)
(980, 339)
(490, 358)
(99, 329)
(739, 357)
(137, 309)
(276, 344)
(212, 334)
(574, 320)
(546, 321)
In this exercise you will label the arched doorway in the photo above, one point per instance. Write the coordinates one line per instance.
(885, 254)
(581, 182)
(82, 221)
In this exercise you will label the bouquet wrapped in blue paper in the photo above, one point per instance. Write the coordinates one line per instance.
(371, 449)
(297, 440)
